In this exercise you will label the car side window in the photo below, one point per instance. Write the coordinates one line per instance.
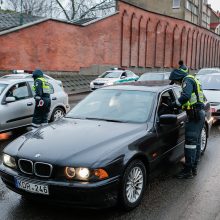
(123, 74)
(129, 73)
(18, 91)
(32, 84)
(165, 104)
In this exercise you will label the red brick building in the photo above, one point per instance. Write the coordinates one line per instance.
(132, 37)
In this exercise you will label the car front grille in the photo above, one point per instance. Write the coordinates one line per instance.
(26, 166)
(98, 84)
(43, 169)
(35, 168)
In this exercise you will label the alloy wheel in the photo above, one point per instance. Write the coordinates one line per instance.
(134, 185)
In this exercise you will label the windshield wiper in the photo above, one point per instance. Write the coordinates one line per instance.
(75, 117)
(212, 89)
(103, 119)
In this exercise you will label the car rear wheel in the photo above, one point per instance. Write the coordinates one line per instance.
(133, 185)
(203, 140)
(57, 114)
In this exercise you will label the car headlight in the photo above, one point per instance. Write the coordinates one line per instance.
(91, 84)
(9, 161)
(85, 174)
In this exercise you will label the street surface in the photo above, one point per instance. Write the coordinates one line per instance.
(166, 198)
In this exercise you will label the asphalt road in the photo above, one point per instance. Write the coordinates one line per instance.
(166, 198)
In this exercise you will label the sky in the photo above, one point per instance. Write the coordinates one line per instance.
(215, 4)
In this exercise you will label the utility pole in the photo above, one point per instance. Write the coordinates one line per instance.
(21, 14)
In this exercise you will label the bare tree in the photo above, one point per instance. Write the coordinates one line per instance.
(79, 9)
(33, 7)
(66, 9)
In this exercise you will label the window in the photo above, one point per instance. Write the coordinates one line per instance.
(176, 3)
(129, 74)
(18, 91)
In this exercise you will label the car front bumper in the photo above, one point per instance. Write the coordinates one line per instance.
(91, 195)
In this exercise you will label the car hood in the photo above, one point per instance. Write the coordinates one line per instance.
(76, 142)
(212, 95)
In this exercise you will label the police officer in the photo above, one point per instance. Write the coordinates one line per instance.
(42, 99)
(192, 101)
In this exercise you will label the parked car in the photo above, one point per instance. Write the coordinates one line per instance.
(17, 102)
(211, 87)
(205, 71)
(152, 76)
(113, 76)
(29, 76)
(103, 151)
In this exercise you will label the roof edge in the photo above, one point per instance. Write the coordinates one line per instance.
(100, 19)
(23, 26)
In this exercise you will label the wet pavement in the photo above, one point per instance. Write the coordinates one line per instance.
(166, 198)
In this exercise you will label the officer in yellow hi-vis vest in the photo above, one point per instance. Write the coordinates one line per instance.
(42, 99)
(192, 101)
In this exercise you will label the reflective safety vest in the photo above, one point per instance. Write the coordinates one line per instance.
(45, 86)
(196, 97)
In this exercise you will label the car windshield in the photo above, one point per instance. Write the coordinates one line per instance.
(115, 105)
(208, 71)
(111, 74)
(2, 87)
(151, 77)
(210, 82)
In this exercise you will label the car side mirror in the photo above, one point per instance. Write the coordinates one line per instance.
(122, 77)
(10, 99)
(168, 119)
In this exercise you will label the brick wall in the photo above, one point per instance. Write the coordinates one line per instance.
(131, 38)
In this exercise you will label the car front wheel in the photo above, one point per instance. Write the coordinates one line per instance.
(133, 185)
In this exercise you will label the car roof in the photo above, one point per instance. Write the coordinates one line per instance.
(12, 80)
(211, 74)
(150, 86)
(20, 75)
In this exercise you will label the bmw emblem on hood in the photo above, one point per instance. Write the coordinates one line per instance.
(37, 155)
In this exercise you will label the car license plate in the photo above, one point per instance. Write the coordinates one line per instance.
(32, 187)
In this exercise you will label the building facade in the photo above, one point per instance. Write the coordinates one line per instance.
(131, 38)
(196, 11)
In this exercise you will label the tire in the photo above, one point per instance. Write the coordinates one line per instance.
(204, 136)
(58, 113)
(128, 200)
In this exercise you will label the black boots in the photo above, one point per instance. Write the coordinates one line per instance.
(185, 173)
(194, 171)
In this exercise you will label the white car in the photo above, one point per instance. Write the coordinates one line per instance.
(205, 71)
(113, 76)
(211, 88)
(17, 102)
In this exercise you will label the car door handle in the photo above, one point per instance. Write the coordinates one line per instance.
(29, 103)
(54, 98)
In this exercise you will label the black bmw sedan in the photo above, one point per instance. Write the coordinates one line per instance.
(105, 149)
